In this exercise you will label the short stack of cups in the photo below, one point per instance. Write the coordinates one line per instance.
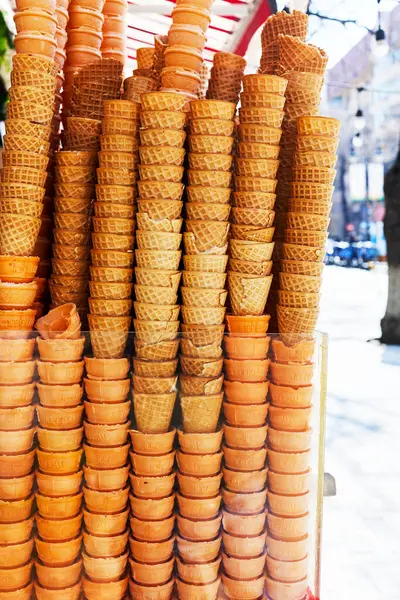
(206, 238)
(245, 471)
(36, 30)
(226, 77)
(60, 433)
(199, 518)
(23, 177)
(288, 442)
(152, 517)
(183, 57)
(113, 232)
(107, 407)
(305, 235)
(75, 175)
(113, 44)
(17, 431)
(157, 258)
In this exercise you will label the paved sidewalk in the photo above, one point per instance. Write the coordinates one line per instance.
(361, 537)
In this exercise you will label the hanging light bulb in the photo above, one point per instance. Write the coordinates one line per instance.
(357, 140)
(381, 47)
(359, 120)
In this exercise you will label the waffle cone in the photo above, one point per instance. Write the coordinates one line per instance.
(298, 299)
(73, 221)
(250, 267)
(204, 386)
(156, 312)
(158, 278)
(117, 211)
(312, 191)
(153, 412)
(307, 222)
(253, 217)
(191, 248)
(203, 211)
(154, 385)
(212, 109)
(296, 324)
(72, 205)
(201, 335)
(188, 348)
(157, 330)
(162, 155)
(208, 236)
(207, 263)
(254, 200)
(120, 194)
(145, 223)
(202, 367)
(211, 144)
(265, 100)
(209, 162)
(110, 291)
(314, 175)
(110, 308)
(157, 209)
(317, 143)
(302, 253)
(18, 234)
(165, 101)
(211, 127)
(300, 283)
(297, 55)
(137, 85)
(36, 142)
(208, 194)
(69, 237)
(157, 119)
(111, 274)
(108, 335)
(248, 294)
(316, 239)
(198, 315)
(104, 258)
(203, 297)
(122, 109)
(162, 137)
(203, 280)
(150, 349)
(108, 241)
(200, 414)
(152, 259)
(157, 240)
(265, 84)
(21, 207)
(155, 295)
(298, 80)
(298, 267)
(37, 113)
(156, 190)
(255, 184)
(324, 160)
(319, 126)
(161, 173)
(249, 250)
(113, 225)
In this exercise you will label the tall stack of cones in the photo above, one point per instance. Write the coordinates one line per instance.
(199, 518)
(288, 443)
(206, 241)
(226, 77)
(158, 257)
(294, 24)
(152, 501)
(251, 245)
(75, 175)
(17, 291)
(245, 473)
(113, 231)
(106, 447)
(305, 235)
(113, 44)
(60, 433)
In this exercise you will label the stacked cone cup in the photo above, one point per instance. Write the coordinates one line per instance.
(107, 407)
(206, 242)
(288, 442)
(183, 58)
(305, 234)
(226, 77)
(158, 257)
(115, 15)
(60, 432)
(75, 176)
(245, 472)
(17, 292)
(152, 501)
(294, 24)
(251, 245)
(113, 231)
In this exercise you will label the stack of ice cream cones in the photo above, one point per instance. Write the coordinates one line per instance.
(160, 46)
(186, 39)
(75, 175)
(113, 231)
(60, 433)
(226, 77)
(158, 257)
(305, 234)
(199, 518)
(288, 443)
(152, 502)
(113, 44)
(245, 473)
(145, 60)
(251, 245)
(294, 24)
(206, 241)
(17, 451)
(105, 492)
(144, 79)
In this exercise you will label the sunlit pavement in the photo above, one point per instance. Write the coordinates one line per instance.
(361, 539)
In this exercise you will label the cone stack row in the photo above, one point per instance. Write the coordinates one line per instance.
(206, 239)
(183, 58)
(303, 249)
(107, 408)
(199, 518)
(288, 443)
(245, 472)
(226, 77)
(60, 433)
(113, 43)
(252, 231)
(158, 257)
(152, 518)
(75, 176)
(114, 223)
(17, 448)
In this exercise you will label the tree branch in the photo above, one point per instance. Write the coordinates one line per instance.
(336, 20)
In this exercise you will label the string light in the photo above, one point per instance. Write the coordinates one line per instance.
(357, 141)
(359, 119)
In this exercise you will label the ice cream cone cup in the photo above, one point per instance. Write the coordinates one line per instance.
(201, 413)
(153, 412)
